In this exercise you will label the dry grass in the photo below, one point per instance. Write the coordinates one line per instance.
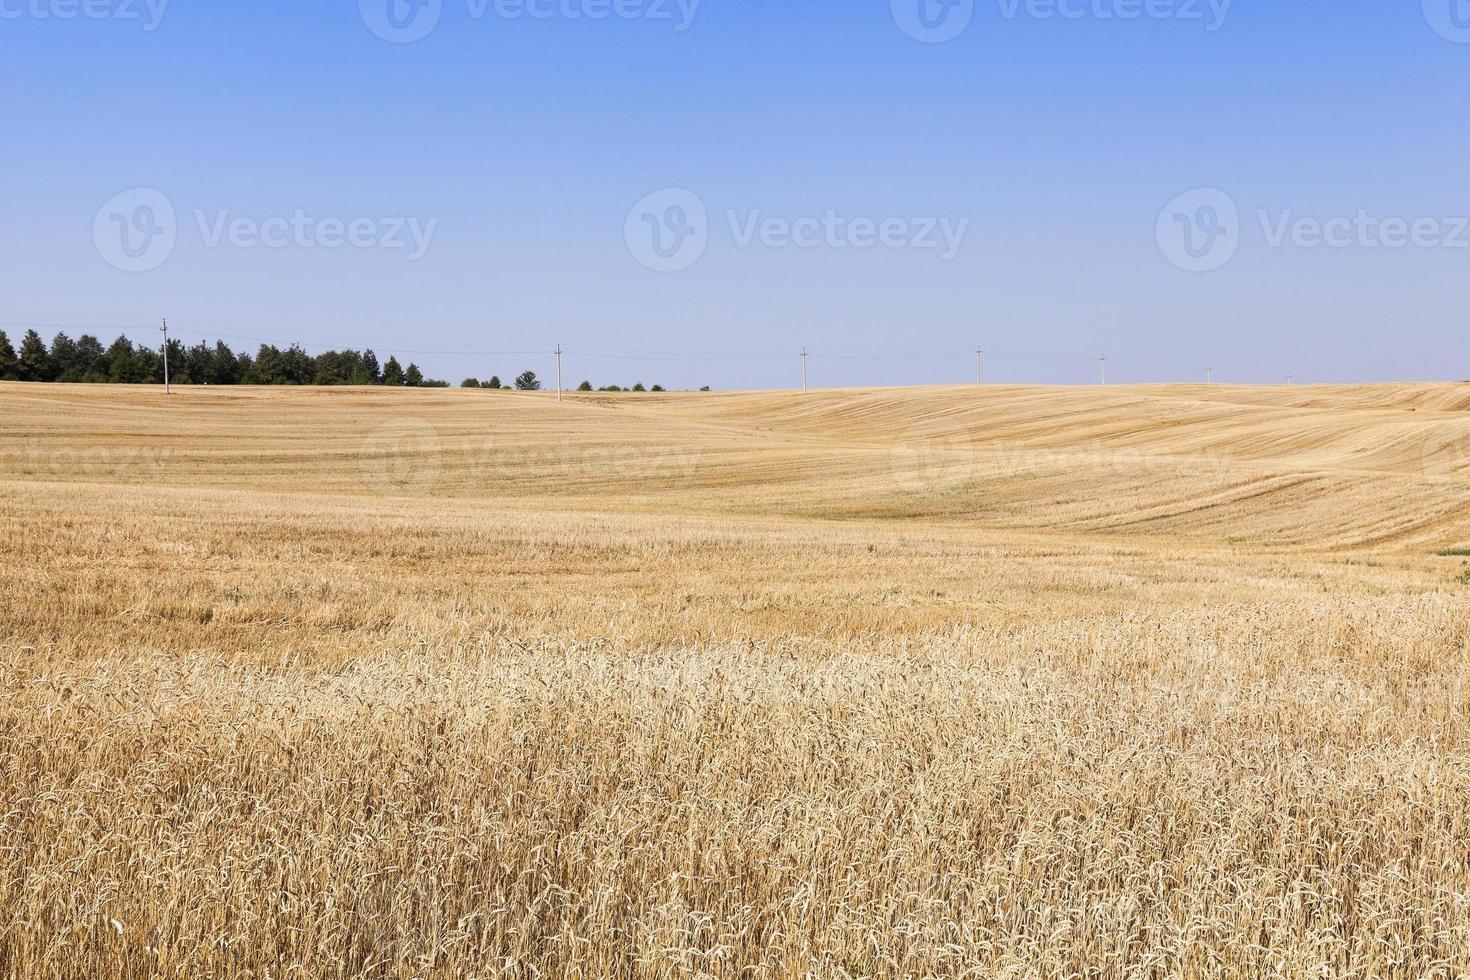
(1024, 682)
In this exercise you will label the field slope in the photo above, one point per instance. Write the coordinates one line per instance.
(1127, 681)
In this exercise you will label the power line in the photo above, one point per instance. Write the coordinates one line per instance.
(318, 344)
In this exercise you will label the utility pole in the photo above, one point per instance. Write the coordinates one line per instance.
(1103, 362)
(1209, 376)
(558, 372)
(979, 364)
(167, 389)
(803, 371)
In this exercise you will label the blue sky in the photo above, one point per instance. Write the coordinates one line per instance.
(518, 146)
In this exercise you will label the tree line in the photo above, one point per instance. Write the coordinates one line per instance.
(86, 361)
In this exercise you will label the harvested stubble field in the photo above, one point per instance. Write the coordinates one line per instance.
(1125, 682)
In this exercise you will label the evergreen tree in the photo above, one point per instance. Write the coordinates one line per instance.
(9, 364)
(528, 382)
(122, 362)
(333, 368)
(64, 365)
(178, 363)
(393, 373)
(149, 366)
(585, 386)
(371, 372)
(297, 366)
(199, 361)
(267, 368)
(413, 377)
(470, 383)
(35, 361)
(224, 367)
(91, 359)
(494, 382)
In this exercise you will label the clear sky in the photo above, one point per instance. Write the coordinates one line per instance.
(734, 179)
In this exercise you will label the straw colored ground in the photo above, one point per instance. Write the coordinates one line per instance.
(1125, 682)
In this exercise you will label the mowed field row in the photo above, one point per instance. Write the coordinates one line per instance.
(1133, 682)
(1313, 467)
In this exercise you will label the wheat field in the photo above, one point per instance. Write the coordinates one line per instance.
(941, 682)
